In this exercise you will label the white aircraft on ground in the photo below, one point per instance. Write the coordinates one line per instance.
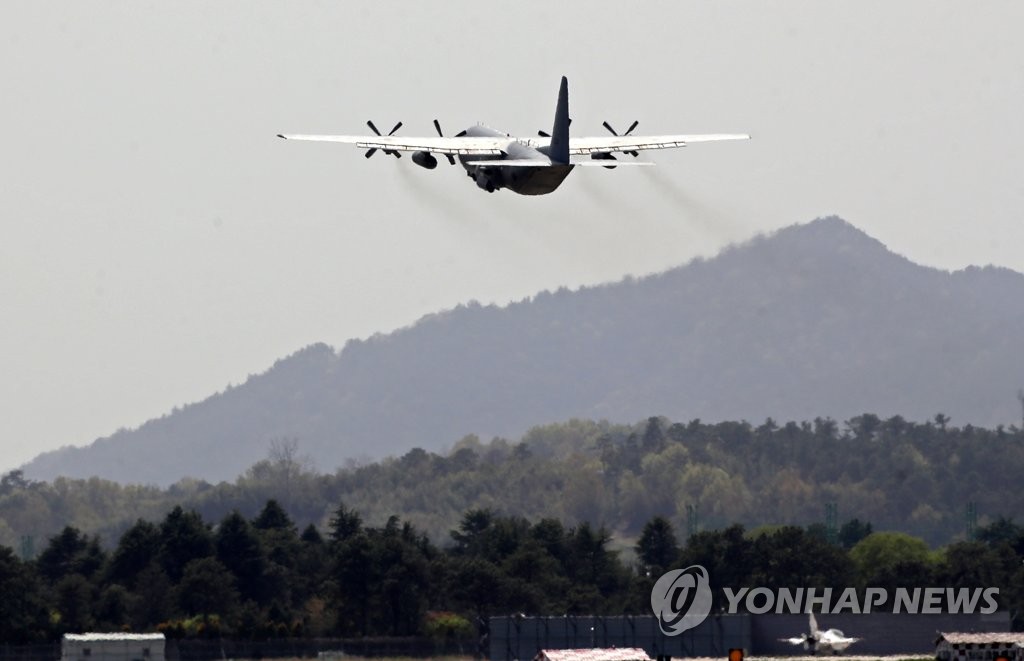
(528, 166)
(830, 640)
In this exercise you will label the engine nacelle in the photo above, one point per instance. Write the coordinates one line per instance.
(424, 159)
(603, 156)
(484, 182)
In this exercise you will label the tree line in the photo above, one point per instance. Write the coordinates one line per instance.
(919, 478)
(264, 578)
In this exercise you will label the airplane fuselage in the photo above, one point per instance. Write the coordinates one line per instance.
(522, 180)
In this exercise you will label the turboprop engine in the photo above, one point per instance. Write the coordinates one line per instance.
(424, 159)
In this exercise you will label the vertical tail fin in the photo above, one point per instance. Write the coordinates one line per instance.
(559, 150)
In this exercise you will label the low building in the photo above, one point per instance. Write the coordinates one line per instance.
(594, 654)
(112, 647)
(980, 646)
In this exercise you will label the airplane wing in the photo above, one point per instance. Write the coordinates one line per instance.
(538, 163)
(627, 143)
(466, 145)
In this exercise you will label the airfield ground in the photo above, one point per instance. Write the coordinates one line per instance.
(820, 657)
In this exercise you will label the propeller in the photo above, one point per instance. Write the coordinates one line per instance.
(545, 134)
(437, 125)
(373, 150)
(628, 131)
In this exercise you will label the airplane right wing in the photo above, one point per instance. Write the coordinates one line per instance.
(546, 163)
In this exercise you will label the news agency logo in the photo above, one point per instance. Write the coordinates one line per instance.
(681, 599)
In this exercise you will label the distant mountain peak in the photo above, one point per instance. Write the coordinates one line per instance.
(828, 233)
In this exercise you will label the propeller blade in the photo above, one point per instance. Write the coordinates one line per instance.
(460, 134)
(631, 127)
(373, 150)
(544, 134)
(609, 127)
(437, 125)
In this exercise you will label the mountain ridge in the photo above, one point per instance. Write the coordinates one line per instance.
(818, 319)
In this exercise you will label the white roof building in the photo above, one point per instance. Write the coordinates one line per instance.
(980, 646)
(594, 654)
(112, 647)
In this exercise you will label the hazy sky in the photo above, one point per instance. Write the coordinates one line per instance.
(158, 242)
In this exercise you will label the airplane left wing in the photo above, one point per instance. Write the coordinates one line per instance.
(466, 145)
(628, 143)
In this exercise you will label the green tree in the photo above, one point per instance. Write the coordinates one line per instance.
(403, 579)
(852, 532)
(113, 608)
(69, 553)
(344, 524)
(657, 547)
(273, 517)
(207, 588)
(891, 559)
(591, 562)
(353, 576)
(13, 481)
(472, 537)
(1003, 529)
(727, 554)
(183, 538)
(791, 557)
(239, 550)
(23, 616)
(135, 551)
(152, 597)
(479, 587)
(74, 598)
(979, 565)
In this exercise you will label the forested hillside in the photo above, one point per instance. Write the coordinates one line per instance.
(815, 320)
(899, 475)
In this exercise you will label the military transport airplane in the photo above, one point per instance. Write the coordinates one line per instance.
(528, 166)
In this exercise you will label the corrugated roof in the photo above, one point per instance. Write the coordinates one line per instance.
(1009, 637)
(594, 654)
(94, 637)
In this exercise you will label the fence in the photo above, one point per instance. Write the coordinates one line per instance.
(228, 648)
(40, 652)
